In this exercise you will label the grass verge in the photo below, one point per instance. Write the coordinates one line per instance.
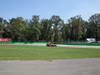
(45, 53)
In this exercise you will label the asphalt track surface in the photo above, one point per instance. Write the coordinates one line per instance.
(89, 66)
(58, 45)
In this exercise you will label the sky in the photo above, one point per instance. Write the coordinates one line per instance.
(46, 8)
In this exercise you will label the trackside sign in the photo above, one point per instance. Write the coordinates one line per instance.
(5, 40)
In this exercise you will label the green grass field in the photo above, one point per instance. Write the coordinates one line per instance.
(42, 53)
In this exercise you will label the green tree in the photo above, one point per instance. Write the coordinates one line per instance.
(3, 27)
(94, 26)
(35, 28)
(17, 28)
(56, 27)
(65, 33)
(75, 28)
(45, 30)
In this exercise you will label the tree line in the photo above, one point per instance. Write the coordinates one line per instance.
(53, 29)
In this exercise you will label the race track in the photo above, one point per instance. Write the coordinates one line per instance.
(55, 67)
(58, 45)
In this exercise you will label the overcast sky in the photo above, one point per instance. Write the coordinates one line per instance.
(46, 8)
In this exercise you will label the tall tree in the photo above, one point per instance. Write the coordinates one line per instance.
(94, 26)
(65, 32)
(3, 27)
(35, 28)
(45, 30)
(57, 24)
(17, 29)
(75, 28)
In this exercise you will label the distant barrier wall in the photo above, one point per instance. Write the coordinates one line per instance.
(23, 42)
